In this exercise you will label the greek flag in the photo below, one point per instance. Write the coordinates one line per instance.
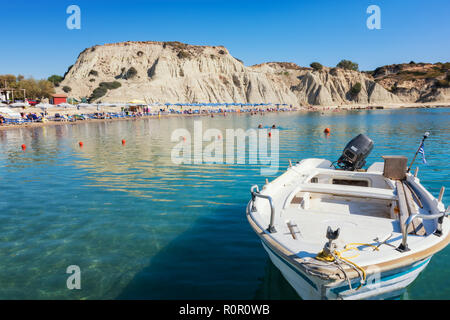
(422, 151)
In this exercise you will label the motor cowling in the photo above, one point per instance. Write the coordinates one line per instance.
(355, 153)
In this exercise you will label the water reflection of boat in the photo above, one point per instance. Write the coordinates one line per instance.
(273, 285)
(381, 225)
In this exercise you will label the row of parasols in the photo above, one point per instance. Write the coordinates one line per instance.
(137, 103)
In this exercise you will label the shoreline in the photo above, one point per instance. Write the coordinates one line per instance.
(321, 109)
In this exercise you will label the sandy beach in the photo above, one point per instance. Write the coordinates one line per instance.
(203, 111)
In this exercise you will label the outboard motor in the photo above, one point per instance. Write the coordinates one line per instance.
(355, 153)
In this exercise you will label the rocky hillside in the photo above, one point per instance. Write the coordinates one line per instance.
(176, 72)
(416, 82)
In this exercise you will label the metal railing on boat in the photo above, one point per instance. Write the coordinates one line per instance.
(440, 216)
(255, 194)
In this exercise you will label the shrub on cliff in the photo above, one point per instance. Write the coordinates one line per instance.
(131, 73)
(316, 66)
(183, 55)
(175, 44)
(98, 93)
(67, 89)
(103, 88)
(55, 79)
(356, 89)
(93, 73)
(348, 65)
(110, 85)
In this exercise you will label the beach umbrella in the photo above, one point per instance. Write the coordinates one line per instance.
(84, 105)
(108, 105)
(136, 101)
(44, 105)
(66, 105)
(19, 105)
(9, 113)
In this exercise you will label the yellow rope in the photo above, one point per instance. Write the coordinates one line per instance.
(330, 258)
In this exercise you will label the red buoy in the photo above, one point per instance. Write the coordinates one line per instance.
(80, 143)
(123, 141)
(270, 134)
(24, 147)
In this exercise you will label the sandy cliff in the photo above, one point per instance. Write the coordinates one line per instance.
(176, 72)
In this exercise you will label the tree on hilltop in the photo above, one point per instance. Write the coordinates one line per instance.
(348, 65)
(316, 66)
(55, 79)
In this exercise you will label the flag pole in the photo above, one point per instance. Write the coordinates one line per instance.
(421, 144)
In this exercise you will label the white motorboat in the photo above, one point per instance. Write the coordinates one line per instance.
(347, 233)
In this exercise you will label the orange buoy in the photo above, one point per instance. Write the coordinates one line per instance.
(123, 141)
(24, 147)
(327, 130)
(80, 143)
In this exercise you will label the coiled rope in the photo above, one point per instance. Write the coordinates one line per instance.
(336, 256)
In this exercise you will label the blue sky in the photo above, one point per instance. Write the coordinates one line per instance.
(36, 41)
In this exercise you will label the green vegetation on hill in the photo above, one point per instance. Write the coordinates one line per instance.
(34, 89)
(356, 89)
(414, 71)
(97, 93)
(103, 88)
(175, 44)
(110, 85)
(183, 55)
(55, 79)
(131, 73)
(316, 66)
(348, 65)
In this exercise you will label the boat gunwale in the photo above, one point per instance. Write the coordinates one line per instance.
(393, 264)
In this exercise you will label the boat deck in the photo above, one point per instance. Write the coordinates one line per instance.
(366, 207)
(311, 226)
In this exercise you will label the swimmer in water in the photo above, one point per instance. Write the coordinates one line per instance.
(260, 126)
(274, 126)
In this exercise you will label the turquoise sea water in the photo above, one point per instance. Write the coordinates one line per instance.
(141, 227)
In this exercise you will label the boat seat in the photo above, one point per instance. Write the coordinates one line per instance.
(350, 191)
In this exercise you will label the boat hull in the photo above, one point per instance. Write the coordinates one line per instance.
(386, 285)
